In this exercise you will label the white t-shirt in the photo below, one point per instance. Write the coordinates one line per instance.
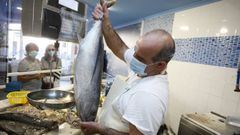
(142, 103)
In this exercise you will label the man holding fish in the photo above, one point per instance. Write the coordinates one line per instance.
(142, 107)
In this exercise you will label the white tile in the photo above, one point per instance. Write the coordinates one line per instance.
(209, 20)
(199, 102)
(229, 86)
(231, 95)
(238, 109)
(213, 104)
(228, 107)
(200, 88)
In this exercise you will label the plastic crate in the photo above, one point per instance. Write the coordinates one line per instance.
(18, 97)
(13, 86)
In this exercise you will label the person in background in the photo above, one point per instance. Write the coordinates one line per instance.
(141, 108)
(50, 61)
(30, 63)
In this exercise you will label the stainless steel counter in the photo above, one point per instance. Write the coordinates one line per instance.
(205, 124)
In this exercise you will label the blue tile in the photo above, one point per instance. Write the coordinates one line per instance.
(219, 51)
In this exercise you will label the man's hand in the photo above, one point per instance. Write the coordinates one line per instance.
(101, 11)
(113, 40)
(90, 127)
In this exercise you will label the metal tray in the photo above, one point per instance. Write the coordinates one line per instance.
(233, 120)
(53, 99)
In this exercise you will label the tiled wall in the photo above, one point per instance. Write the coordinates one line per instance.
(207, 52)
(218, 51)
(200, 88)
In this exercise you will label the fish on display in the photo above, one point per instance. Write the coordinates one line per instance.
(20, 123)
(88, 71)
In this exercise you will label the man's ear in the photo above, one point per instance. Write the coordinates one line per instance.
(162, 65)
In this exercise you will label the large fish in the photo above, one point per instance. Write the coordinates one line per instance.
(88, 70)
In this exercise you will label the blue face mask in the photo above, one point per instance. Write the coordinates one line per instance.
(138, 67)
(51, 53)
(33, 54)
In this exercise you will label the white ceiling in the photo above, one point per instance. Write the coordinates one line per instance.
(125, 12)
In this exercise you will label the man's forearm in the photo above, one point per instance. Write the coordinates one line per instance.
(114, 42)
(110, 131)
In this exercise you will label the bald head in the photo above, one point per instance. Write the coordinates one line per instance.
(31, 47)
(165, 45)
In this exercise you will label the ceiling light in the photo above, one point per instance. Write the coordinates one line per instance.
(184, 28)
(19, 8)
(223, 30)
(224, 20)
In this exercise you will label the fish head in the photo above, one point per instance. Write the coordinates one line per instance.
(109, 2)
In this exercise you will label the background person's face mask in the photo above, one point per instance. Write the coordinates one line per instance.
(33, 54)
(51, 53)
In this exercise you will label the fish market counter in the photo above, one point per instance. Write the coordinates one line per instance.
(63, 129)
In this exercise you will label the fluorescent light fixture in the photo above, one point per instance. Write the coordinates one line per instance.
(223, 30)
(184, 28)
(19, 8)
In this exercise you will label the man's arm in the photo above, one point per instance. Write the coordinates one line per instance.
(110, 131)
(114, 42)
(132, 131)
(93, 127)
